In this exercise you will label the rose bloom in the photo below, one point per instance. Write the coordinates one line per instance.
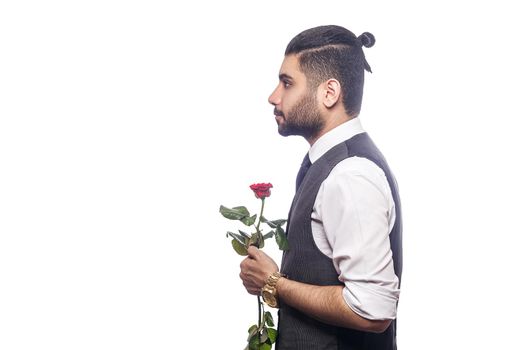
(261, 190)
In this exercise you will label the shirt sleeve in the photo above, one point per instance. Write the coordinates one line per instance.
(356, 211)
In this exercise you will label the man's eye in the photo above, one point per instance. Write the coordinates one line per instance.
(286, 84)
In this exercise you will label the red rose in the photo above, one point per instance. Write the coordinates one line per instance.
(261, 190)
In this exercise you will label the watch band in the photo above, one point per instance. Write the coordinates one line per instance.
(269, 290)
(273, 278)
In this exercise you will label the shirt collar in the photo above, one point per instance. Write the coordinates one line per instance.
(334, 137)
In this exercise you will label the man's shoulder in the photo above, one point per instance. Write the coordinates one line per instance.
(357, 166)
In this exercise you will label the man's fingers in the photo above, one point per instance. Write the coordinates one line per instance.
(250, 286)
(252, 289)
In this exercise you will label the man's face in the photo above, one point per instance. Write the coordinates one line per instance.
(296, 108)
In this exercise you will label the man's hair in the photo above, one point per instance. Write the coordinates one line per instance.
(328, 52)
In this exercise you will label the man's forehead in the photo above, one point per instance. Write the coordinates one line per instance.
(290, 67)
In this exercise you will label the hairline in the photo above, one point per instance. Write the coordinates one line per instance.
(310, 73)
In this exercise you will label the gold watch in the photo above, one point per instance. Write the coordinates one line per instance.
(269, 291)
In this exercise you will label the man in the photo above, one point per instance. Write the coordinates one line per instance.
(338, 286)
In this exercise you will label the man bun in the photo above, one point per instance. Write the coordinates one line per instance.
(366, 39)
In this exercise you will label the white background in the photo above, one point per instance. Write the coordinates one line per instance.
(125, 124)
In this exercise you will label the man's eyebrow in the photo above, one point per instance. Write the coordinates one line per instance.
(284, 76)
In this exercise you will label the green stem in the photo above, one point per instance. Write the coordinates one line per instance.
(260, 216)
(259, 324)
(260, 305)
(260, 312)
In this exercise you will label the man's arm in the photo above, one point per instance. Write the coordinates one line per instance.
(324, 303)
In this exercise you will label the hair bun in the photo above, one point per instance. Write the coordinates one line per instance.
(367, 39)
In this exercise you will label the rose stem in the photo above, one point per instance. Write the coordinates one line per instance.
(260, 215)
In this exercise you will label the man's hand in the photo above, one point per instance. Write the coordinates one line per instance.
(325, 303)
(255, 270)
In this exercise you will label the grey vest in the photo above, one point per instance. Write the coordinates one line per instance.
(304, 262)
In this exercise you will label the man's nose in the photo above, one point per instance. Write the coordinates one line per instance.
(274, 98)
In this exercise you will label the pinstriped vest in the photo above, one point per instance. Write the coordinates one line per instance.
(304, 262)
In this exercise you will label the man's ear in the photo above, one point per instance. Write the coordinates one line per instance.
(331, 90)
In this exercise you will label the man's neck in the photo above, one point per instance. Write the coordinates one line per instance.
(330, 123)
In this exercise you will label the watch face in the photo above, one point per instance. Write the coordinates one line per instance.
(269, 298)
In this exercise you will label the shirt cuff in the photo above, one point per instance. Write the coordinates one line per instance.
(372, 303)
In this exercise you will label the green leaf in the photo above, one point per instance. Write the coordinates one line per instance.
(271, 224)
(274, 223)
(252, 331)
(254, 342)
(260, 240)
(239, 248)
(264, 335)
(265, 346)
(268, 318)
(236, 213)
(256, 240)
(280, 238)
(269, 235)
(242, 210)
(253, 240)
(237, 237)
(244, 234)
(272, 334)
(249, 220)
(279, 222)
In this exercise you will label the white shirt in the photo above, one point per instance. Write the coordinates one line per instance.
(352, 217)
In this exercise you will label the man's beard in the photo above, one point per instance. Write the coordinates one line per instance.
(303, 119)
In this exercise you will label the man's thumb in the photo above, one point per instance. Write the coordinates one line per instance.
(253, 252)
